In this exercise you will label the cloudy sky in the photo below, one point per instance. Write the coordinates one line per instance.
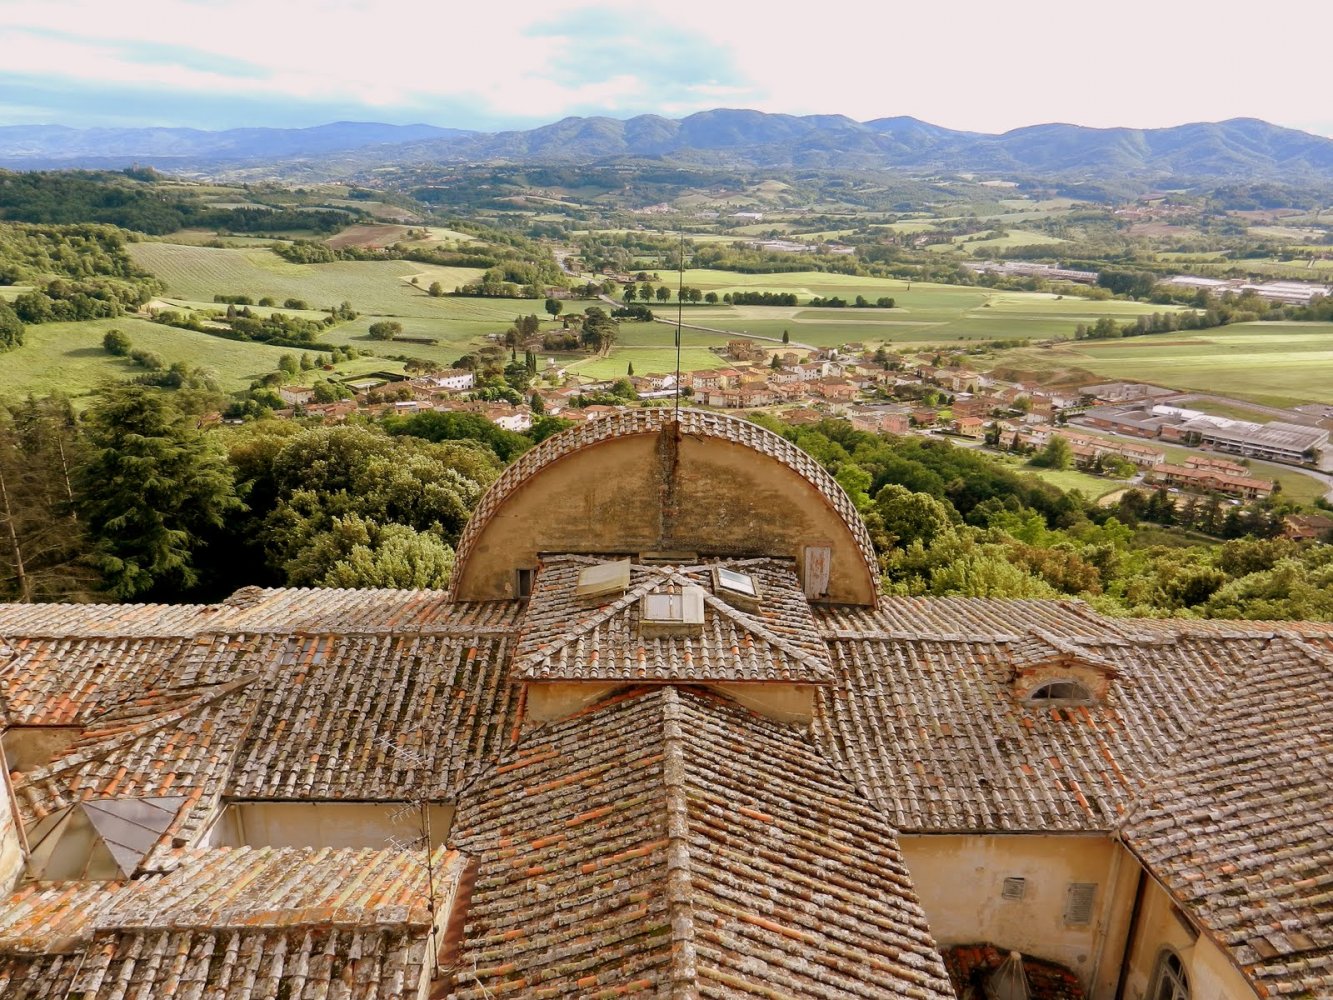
(971, 64)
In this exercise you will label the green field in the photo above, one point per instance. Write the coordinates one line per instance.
(1279, 364)
(646, 361)
(1092, 487)
(924, 313)
(382, 286)
(376, 289)
(68, 357)
(1014, 238)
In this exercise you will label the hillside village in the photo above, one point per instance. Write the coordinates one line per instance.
(883, 392)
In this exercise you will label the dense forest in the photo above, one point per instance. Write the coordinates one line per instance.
(137, 200)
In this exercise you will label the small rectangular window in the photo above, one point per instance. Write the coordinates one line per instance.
(1079, 897)
(523, 582)
(1014, 888)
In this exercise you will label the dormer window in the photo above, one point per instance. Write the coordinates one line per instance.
(672, 612)
(1052, 672)
(1061, 692)
(608, 579)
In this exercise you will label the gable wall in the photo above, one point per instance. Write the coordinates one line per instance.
(627, 495)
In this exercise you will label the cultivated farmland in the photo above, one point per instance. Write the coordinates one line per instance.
(382, 286)
(1278, 364)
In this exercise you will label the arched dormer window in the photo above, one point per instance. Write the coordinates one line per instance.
(1171, 983)
(1064, 691)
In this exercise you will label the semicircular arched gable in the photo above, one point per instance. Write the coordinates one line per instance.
(637, 482)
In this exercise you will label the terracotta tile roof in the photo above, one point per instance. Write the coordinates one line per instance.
(694, 423)
(568, 638)
(52, 918)
(229, 924)
(285, 887)
(70, 681)
(365, 963)
(172, 743)
(1242, 834)
(39, 977)
(332, 610)
(378, 716)
(256, 609)
(106, 619)
(625, 850)
(966, 617)
(933, 732)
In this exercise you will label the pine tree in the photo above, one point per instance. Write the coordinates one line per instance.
(151, 491)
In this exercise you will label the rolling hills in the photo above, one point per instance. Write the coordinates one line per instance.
(1237, 149)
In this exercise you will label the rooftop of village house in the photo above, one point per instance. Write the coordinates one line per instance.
(666, 829)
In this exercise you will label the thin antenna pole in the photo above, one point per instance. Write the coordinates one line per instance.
(680, 318)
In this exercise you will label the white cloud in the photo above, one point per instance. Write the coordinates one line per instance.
(975, 64)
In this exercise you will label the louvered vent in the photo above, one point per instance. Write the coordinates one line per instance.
(1079, 897)
(1014, 888)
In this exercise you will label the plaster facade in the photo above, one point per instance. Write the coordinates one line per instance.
(1162, 925)
(328, 824)
(664, 490)
(961, 882)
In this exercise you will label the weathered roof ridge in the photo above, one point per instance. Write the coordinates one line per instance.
(249, 888)
(1237, 833)
(654, 577)
(753, 624)
(636, 853)
(603, 614)
(679, 884)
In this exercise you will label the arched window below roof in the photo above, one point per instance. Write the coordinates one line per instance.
(1061, 692)
(1170, 983)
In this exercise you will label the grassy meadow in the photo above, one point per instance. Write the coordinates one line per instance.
(381, 286)
(68, 357)
(924, 313)
(1278, 364)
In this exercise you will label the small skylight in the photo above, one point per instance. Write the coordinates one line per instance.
(603, 580)
(731, 582)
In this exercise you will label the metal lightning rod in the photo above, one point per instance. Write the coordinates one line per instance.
(680, 318)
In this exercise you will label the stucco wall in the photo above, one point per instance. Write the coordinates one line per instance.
(326, 824)
(630, 494)
(960, 879)
(11, 850)
(1212, 976)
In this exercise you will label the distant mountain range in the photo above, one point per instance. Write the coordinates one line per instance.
(1238, 149)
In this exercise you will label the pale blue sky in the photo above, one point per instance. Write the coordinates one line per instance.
(971, 64)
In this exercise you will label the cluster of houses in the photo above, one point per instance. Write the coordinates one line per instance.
(895, 394)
